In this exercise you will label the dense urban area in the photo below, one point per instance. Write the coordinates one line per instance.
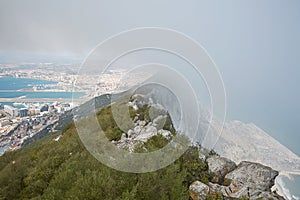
(25, 117)
(19, 124)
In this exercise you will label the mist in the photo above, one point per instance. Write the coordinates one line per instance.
(255, 44)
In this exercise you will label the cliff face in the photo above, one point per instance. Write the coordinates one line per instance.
(247, 180)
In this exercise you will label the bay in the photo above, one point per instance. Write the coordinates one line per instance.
(9, 84)
(33, 95)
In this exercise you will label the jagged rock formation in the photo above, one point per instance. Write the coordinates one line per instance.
(219, 166)
(140, 134)
(199, 191)
(143, 129)
(253, 175)
(247, 180)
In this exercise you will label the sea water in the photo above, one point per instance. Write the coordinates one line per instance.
(290, 185)
(9, 84)
(33, 95)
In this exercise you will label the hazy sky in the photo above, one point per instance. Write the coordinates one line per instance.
(255, 44)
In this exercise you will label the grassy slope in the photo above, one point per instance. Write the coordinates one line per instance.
(47, 169)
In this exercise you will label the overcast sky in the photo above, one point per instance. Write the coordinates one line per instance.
(255, 44)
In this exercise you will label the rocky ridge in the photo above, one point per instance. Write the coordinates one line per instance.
(144, 129)
(247, 180)
(140, 134)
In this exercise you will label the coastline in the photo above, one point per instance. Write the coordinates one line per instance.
(280, 186)
(46, 79)
(28, 89)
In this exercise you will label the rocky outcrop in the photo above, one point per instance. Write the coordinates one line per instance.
(144, 129)
(203, 153)
(140, 134)
(199, 191)
(219, 167)
(247, 180)
(253, 175)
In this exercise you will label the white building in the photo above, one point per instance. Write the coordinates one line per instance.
(14, 112)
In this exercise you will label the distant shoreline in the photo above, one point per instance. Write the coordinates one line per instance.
(40, 91)
(7, 97)
(279, 186)
(53, 81)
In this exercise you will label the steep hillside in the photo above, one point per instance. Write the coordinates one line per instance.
(59, 167)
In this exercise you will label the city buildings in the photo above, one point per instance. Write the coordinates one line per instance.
(14, 112)
(4, 122)
(23, 112)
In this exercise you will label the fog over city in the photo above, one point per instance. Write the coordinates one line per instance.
(51, 67)
(255, 45)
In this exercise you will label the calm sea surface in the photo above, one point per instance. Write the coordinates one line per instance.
(10, 83)
(290, 186)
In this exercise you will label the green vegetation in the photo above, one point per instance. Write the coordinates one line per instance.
(154, 143)
(108, 124)
(145, 113)
(64, 169)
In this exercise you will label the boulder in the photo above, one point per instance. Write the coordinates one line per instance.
(250, 180)
(146, 133)
(159, 121)
(130, 133)
(142, 123)
(255, 175)
(219, 167)
(123, 137)
(165, 133)
(133, 105)
(136, 118)
(198, 190)
(203, 153)
(137, 130)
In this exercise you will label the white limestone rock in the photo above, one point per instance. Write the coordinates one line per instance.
(165, 133)
(146, 133)
(198, 190)
(219, 167)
